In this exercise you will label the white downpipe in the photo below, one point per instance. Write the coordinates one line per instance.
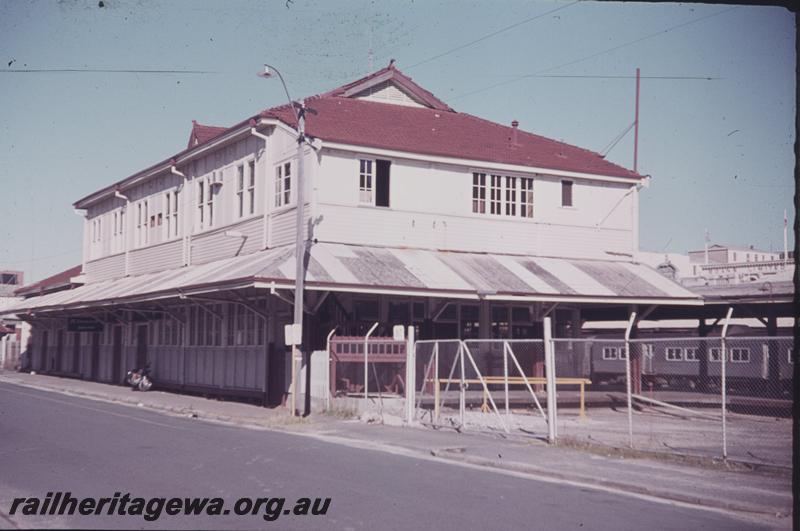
(411, 377)
(550, 374)
(185, 236)
(328, 369)
(366, 360)
(127, 226)
(631, 322)
(723, 383)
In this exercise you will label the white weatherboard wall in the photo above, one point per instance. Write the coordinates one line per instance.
(431, 207)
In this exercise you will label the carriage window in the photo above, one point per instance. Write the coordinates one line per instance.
(715, 354)
(610, 353)
(674, 354)
(690, 354)
(740, 355)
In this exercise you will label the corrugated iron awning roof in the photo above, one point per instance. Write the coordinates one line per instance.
(416, 272)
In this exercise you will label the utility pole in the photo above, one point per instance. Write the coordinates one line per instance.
(299, 110)
(785, 239)
(300, 252)
(636, 128)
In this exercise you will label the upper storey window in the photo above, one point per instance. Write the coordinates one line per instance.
(207, 189)
(245, 189)
(566, 193)
(479, 193)
(283, 184)
(365, 178)
(170, 214)
(373, 182)
(508, 196)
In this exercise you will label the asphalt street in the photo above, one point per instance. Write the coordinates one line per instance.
(51, 442)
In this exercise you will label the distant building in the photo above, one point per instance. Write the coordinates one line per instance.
(723, 264)
(9, 282)
(9, 325)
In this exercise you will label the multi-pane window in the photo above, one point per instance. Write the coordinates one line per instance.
(175, 213)
(210, 193)
(511, 196)
(205, 201)
(526, 197)
(674, 354)
(505, 198)
(479, 193)
(170, 331)
(205, 327)
(240, 190)
(365, 180)
(167, 215)
(244, 326)
(495, 194)
(690, 354)
(251, 187)
(740, 355)
(715, 354)
(283, 184)
(201, 203)
(141, 223)
(611, 353)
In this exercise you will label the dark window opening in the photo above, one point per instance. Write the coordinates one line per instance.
(382, 182)
(566, 193)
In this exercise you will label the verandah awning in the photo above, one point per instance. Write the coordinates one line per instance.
(411, 272)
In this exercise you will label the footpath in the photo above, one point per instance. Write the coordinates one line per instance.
(763, 495)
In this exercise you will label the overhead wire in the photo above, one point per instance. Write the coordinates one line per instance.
(489, 35)
(597, 54)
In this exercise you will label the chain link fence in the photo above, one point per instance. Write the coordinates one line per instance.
(650, 394)
(481, 385)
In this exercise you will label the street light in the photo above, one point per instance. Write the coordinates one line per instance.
(299, 246)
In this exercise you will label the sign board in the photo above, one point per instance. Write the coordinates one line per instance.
(398, 333)
(83, 324)
(293, 334)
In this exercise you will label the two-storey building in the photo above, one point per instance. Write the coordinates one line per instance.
(414, 214)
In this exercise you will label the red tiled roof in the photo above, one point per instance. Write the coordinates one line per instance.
(432, 130)
(435, 131)
(58, 280)
(203, 133)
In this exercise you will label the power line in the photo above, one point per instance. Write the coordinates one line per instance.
(41, 258)
(102, 70)
(600, 76)
(488, 36)
(592, 56)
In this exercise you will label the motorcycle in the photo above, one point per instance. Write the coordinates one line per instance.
(139, 378)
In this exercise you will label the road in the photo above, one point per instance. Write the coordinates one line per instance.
(52, 442)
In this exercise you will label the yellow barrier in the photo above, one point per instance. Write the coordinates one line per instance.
(512, 380)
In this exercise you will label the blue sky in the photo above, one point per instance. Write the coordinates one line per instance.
(720, 150)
